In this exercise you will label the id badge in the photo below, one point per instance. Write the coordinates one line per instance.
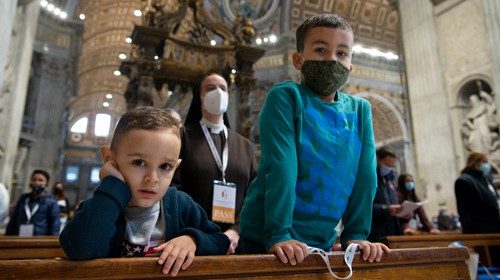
(224, 202)
(26, 230)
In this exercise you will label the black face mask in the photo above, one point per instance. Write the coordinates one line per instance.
(38, 189)
(391, 176)
(324, 77)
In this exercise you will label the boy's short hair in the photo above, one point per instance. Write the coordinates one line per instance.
(385, 151)
(146, 118)
(43, 172)
(321, 20)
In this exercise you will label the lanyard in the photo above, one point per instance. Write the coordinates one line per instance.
(348, 258)
(221, 164)
(30, 213)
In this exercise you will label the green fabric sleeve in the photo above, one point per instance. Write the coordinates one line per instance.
(358, 215)
(277, 137)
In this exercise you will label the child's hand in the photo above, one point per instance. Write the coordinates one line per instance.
(394, 209)
(434, 231)
(233, 236)
(110, 168)
(290, 250)
(371, 251)
(177, 253)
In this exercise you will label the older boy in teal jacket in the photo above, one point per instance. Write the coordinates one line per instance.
(317, 162)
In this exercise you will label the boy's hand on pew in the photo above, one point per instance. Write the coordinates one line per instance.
(434, 231)
(371, 251)
(292, 251)
(177, 253)
(233, 236)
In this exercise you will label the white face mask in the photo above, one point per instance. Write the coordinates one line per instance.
(216, 101)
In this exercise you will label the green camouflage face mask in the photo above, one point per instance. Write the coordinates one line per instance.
(324, 77)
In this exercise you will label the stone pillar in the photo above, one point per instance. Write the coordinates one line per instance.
(491, 10)
(25, 27)
(107, 24)
(434, 150)
(7, 13)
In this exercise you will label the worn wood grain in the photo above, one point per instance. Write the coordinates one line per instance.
(426, 263)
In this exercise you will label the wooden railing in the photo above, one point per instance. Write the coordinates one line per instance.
(426, 263)
(39, 247)
(443, 240)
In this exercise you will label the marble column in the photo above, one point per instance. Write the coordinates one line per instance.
(7, 14)
(434, 150)
(491, 9)
(25, 26)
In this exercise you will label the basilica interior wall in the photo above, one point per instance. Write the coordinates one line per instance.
(419, 101)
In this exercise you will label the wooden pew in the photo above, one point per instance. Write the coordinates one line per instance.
(37, 247)
(443, 240)
(418, 264)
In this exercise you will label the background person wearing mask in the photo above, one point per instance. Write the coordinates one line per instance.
(419, 220)
(37, 212)
(212, 152)
(63, 202)
(477, 200)
(476, 197)
(386, 203)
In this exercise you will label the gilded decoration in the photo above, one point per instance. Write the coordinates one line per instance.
(176, 46)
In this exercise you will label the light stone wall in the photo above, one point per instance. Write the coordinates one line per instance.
(445, 46)
(466, 55)
(12, 115)
(434, 148)
(7, 14)
(491, 10)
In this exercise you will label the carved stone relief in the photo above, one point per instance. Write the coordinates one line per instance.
(480, 131)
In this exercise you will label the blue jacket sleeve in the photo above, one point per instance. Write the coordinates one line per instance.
(358, 215)
(279, 157)
(90, 233)
(208, 237)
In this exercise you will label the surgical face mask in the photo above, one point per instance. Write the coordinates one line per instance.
(410, 186)
(485, 168)
(385, 170)
(216, 101)
(324, 77)
(37, 188)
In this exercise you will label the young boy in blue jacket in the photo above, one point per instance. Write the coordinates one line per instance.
(317, 163)
(133, 211)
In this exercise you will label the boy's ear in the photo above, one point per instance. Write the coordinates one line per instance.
(297, 60)
(106, 153)
(350, 67)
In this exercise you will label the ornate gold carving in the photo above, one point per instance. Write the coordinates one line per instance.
(269, 62)
(376, 74)
(374, 22)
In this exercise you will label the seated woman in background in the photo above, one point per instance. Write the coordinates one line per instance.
(419, 221)
(477, 200)
(476, 196)
(218, 164)
(63, 202)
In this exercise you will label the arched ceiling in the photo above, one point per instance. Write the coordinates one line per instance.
(375, 22)
(385, 122)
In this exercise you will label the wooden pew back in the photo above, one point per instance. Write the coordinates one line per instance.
(480, 242)
(428, 263)
(443, 240)
(43, 247)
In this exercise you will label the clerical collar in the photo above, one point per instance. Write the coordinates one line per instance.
(215, 128)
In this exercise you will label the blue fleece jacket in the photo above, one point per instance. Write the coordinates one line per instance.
(98, 227)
